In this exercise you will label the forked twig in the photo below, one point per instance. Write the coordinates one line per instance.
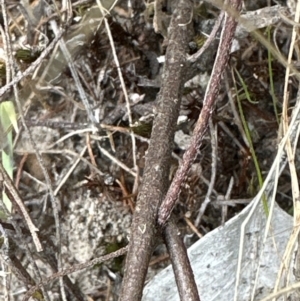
(202, 123)
(144, 230)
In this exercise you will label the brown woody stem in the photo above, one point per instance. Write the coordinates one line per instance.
(211, 94)
(144, 232)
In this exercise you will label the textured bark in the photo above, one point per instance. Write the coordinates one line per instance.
(184, 275)
(155, 179)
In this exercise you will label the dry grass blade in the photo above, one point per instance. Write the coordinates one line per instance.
(122, 85)
(270, 188)
(291, 152)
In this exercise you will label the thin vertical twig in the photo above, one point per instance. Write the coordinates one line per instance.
(227, 196)
(74, 73)
(287, 256)
(112, 45)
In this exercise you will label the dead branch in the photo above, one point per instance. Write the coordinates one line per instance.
(155, 179)
(202, 123)
(184, 275)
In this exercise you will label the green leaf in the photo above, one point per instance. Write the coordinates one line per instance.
(8, 119)
(8, 116)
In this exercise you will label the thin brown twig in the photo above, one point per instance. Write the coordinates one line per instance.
(121, 78)
(21, 238)
(53, 199)
(159, 259)
(195, 57)
(184, 275)
(193, 227)
(116, 161)
(90, 151)
(126, 195)
(202, 123)
(20, 168)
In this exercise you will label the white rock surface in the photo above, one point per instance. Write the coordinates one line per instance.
(214, 260)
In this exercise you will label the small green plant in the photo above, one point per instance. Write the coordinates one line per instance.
(142, 128)
(27, 55)
(272, 90)
(246, 95)
(8, 120)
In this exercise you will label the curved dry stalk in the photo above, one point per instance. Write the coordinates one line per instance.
(120, 75)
